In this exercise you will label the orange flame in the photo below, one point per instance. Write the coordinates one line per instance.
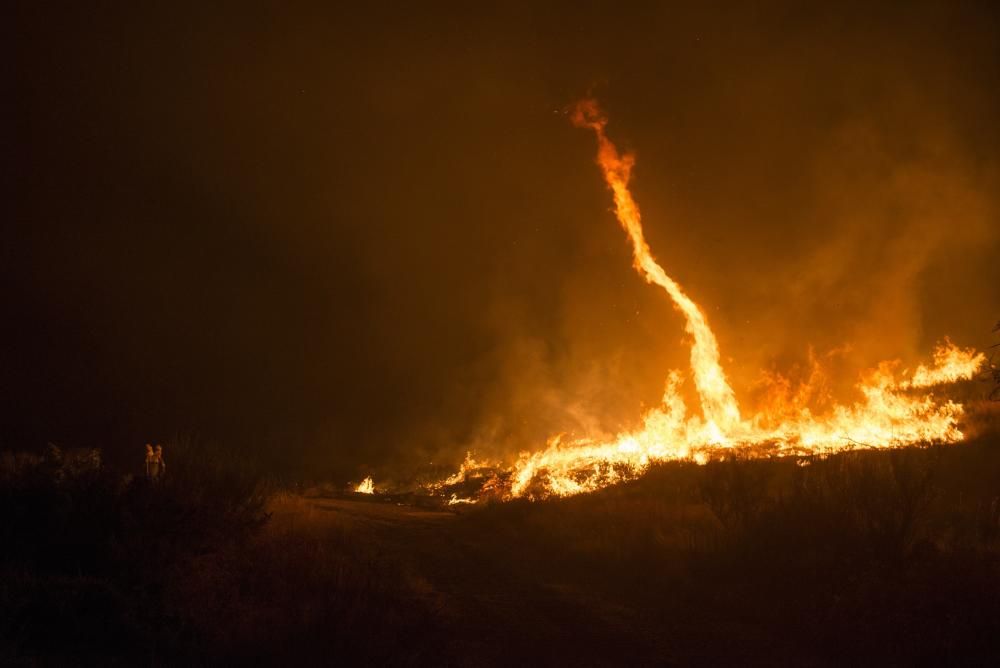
(890, 413)
(367, 486)
(717, 399)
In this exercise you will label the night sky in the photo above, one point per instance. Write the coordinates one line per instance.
(361, 237)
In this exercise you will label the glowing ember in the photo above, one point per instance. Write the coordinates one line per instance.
(367, 486)
(890, 413)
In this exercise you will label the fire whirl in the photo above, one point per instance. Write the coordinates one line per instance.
(892, 412)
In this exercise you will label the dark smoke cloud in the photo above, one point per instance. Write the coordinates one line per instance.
(371, 238)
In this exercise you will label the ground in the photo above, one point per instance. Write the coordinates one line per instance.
(863, 558)
(497, 613)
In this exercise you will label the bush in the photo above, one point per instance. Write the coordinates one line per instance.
(105, 568)
(863, 557)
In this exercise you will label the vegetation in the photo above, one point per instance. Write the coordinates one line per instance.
(101, 568)
(861, 558)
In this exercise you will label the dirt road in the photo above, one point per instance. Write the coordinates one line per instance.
(495, 610)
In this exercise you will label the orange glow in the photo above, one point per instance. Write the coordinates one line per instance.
(367, 486)
(717, 398)
(893, 410)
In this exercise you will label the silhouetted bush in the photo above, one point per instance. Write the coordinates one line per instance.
(99, 567)
(867, 557)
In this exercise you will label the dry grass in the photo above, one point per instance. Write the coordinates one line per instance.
(205, 566)
(866, 557)
(862, 558)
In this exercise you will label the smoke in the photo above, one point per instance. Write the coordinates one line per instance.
(373, 238)
(897, 257)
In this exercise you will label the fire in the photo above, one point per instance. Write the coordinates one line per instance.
(891, 412)
(470, 466)
(717, 398)
(367, 486)
(951, 364)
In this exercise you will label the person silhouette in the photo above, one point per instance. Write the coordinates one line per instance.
(161, 466)
(152, 466)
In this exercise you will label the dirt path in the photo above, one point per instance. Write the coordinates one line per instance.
(497, 612)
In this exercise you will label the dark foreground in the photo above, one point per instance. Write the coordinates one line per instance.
(888, 558)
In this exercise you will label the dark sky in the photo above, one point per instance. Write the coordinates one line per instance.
(367, 236)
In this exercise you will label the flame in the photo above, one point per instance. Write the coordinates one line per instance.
(889, 413)
(717, 398)
(469, 466)
(367, 486)
(951, 364)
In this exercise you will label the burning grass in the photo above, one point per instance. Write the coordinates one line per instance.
(864, 557)
(861, 557)
(892, 409)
